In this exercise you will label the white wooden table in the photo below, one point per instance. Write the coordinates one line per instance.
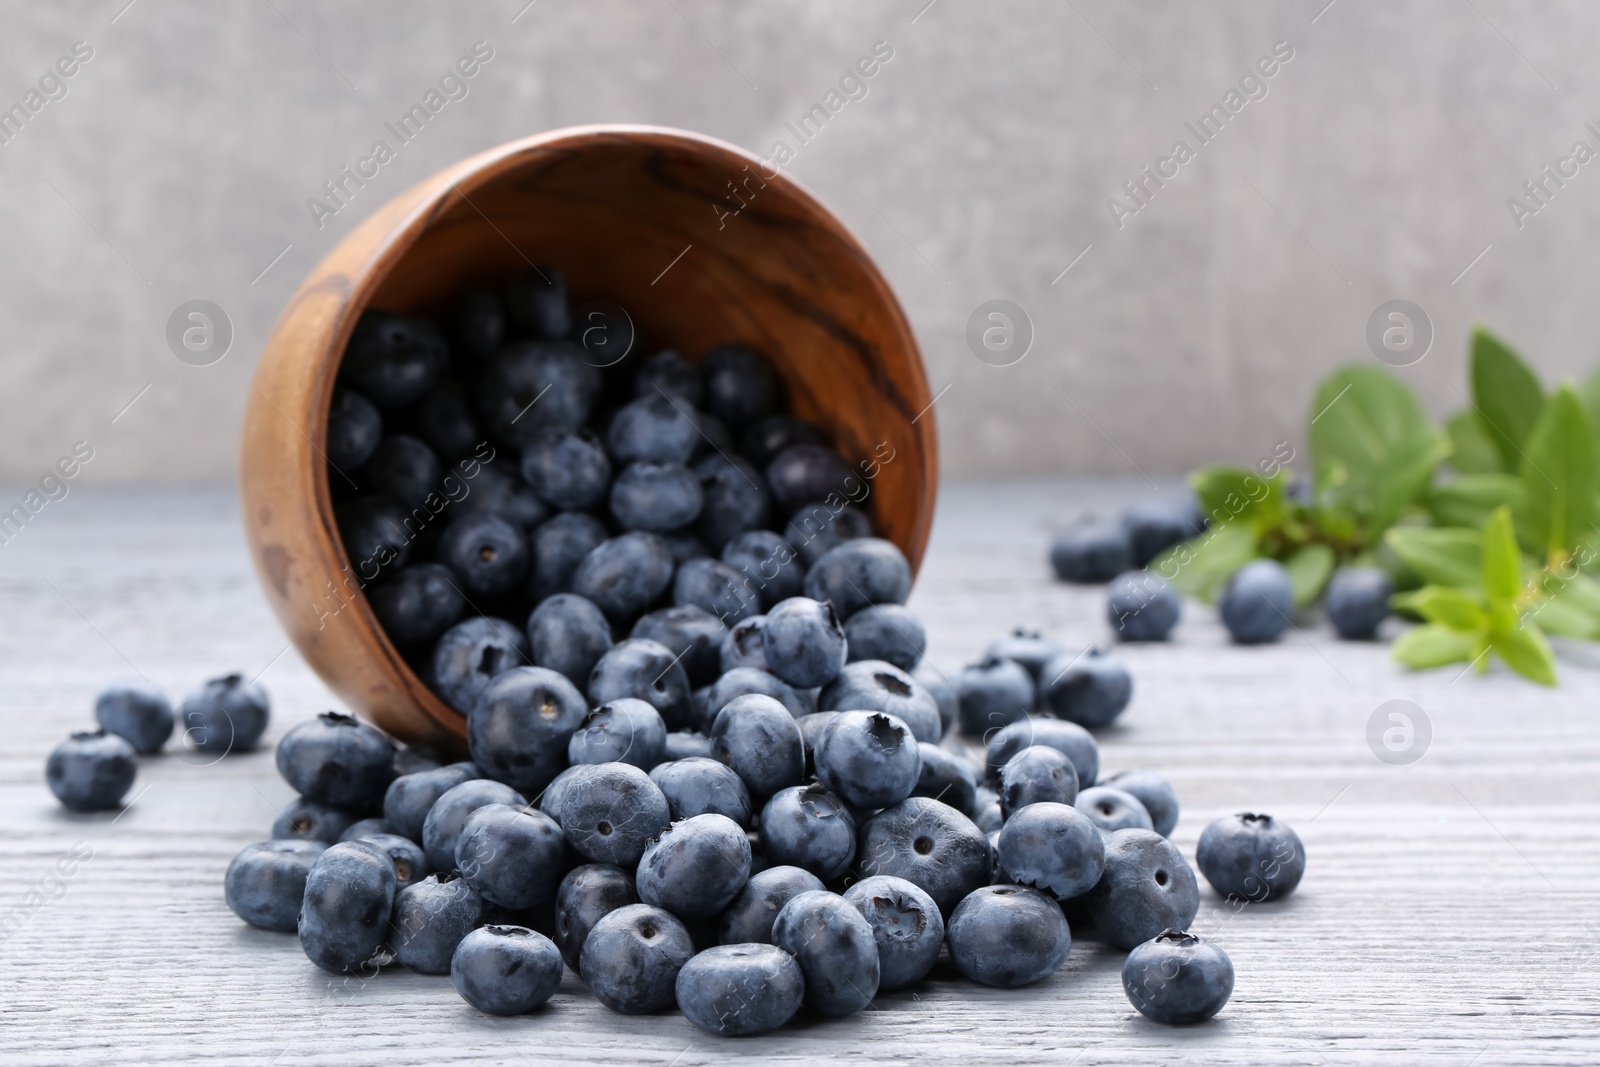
(1449, 913)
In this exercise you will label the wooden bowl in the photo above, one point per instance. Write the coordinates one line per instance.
(694, 237)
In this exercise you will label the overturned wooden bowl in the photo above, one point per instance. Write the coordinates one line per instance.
(695, 238)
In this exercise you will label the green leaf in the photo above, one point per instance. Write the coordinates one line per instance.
(1527, 652)
(1472, 448)
(1372, 445)
(1589, 393)
(1237, 494)
(1451, 608)
(1506, 394)
(1443, 556)
(1202, 566)
(1502, 565)
(1565, 619)
(1433, 645)
(1308, 570)
(1469, 500)
(1559, 479)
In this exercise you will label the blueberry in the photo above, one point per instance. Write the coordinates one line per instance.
(643, 670)
(536, 385)
(536, 304)
(511, 857)
(653, 429)
(410, 862)
(487, 553)
(758, 738)
(803, 642)
(811, 727)
(1153, 526)
(948, 778)
(740, 386)
(695, 867)
(1251, 857)
(869, 758)
(611, 814)
(993, 694)
(441, 830)
(906, 925)
(1111, 809)
(1257, 602)
(740, 990)
(471, 654)
(371, 827)
(392, 360)
(858, 574)
(137, 712)
(338, 760)
(1141, 606)
(873, 685)
(767, 563)
(762, 442)
(1036, 774)
(693, 636)
(586, 895)
(929, 844)
(699, 785)
(312, 820)
(499, 490)
(817, 529)
(806, 826)
(404, 469)
(735, 499)
(1068, 738)
(715, 588)
(555, 794)
(1177, 978)
(374, 534)
(988, 817)
(266, 882)
(1090, 689)
(747, 681)
(1357, 599)
(569, 469)
(1029, 648)
(344, 915)
(685, 744)
(742, 645)
(354, 429)
(418, 604)
(944, 694)
(429, 920)
(568, 634)
(558, 546)
(666, 373)
(226, 714)
(807, 474)
(477, 325)
(1147, 887)
(632, 958)
(625, 575)
(835, 948)
(1154, 792)
(1008, 936)
(505, 970)
(749, 918)
(408, 798)
(1091, 552)
(624, 730)
(520, 726)
(887, 632)
(1051, 847)
(655, 496)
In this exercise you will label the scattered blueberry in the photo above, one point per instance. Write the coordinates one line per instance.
(266, 882)
(768, 563)
(735, 499)
(1251, 857)
(869, 758)
(337, 759)
(1112, 810)
(1090, 689)
(1037, 774)
(875, 685)
(1357, 600)
(471, 654)
(1029, 648)
(929, 844)
(611, 814)
(409, 797)
(740, 990)
(835, 948)
(624, 730)
(1177, 978)
(344, 915)
(568, 634)
(993, 694)
(586, 895)
(906, 925)
(1147, 887)
(858, 574)
(520, 726)
(887, 632)
(1091, 552)
(487, 553)
(505, 970)
(429, 920)
(558, 546)
(1141, 606)
(511, 857)
(695, 867)
(624, 575)
(758, 738)
(366, 828)
(1257, 602)
(1008, 936)
(1068, 738)
(939, 686)
(92, 770)
(698, 785)
(653, 429)
(817, 529)
(643, 670)
(684, 744)
(1153, 526)
(137, 712)
(693, 635)
(410, 862)
(226, 714)
(1052, 847)
(312, 820)
(946, 777)
(656, 496)
(632, 957)
(748, 681)
(1154, 792)
(803, 642)
(808, 827)
(441, 830)
(715, 588)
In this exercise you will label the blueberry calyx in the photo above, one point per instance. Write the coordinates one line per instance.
(892, 684)
(1260, 822)
(1177, 937)
(339, 718)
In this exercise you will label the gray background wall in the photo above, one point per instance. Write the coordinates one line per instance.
(978, 166)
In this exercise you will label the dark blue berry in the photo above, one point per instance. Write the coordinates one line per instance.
(715, 588)
(699, 785)
(558, 546)
(536, 385)
(441, 830)
(749, 918)
(408, 798)
(1036, 774)
(1177, 978)
(803, 642)
(869, 758)
(835, 949)
(747, 681)
(612, 813)
(354, 429)
(471, 654)
(429, 920)
(1141, 606)
(762, 442)
(536, 304)
(742, 646)
(266, 882)
(695, 867)
(939, 686)
(1154, 792)
(1090, 689)
(371, 827)
(858, 574)
(1251, 857)
(993, 694)
(665, 373)
(520, 725)
(344, 915)
(337, 759)
(513, 858)
(1068, 738)
(487, 553)
(887, 632)
(740, 386)
(312, 820)
(758, 738)
(653, 429)
(1111, 809)
(1091, 552)
(586, 895)
(632, 957)
(404, 469)
(767, 563)
(1008, 936)
(505, 970)
(1147, 887)
(569, 469)
(817, 529)
(1051, 847)
(375, 536)
(874, 685)
(418, 604)
(410, 862)
(693, 635)
(929, 844)
(947, 778)
(625, 575)
(643, 670)
(226, 714)
(685, 744)
(137, 712)
(568, 634)
(807, 474)
(1357, 600)
(1029, 648)
(1257, 602)
(735, 499)
(655, 496)
(392, 360)
(806, 826)
(1153, 526)
(625, 730)
(740, 990)
(906, 925)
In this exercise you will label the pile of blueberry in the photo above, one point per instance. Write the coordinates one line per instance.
(1256, 605)
(517, 485)
(770, 854)
(92, 770)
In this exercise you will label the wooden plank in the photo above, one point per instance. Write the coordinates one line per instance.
(1448, 914)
